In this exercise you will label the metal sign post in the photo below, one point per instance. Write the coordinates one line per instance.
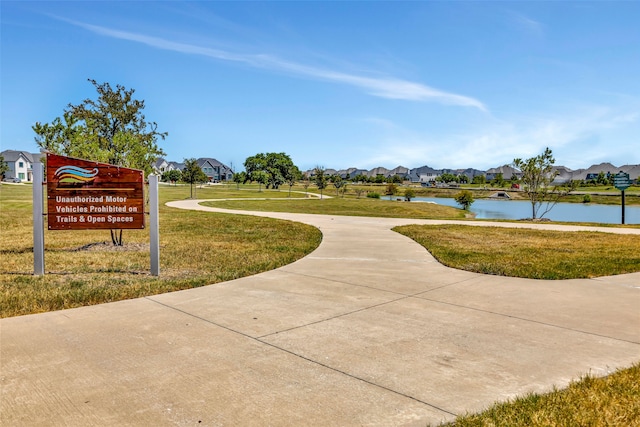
(38, 219)
(154, 225)
(621, 181)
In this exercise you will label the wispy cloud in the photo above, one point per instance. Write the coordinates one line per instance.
(527, 24)
(577, 140)
(383, 87)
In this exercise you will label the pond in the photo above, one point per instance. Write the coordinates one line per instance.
(571, 212)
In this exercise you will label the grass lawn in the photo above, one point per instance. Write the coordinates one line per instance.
(534, 254)
(197, 249)
(609, 401)
(346, 206)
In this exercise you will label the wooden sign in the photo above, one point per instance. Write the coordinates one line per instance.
(85, 195)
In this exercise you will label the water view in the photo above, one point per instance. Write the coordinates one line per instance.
(574, 212)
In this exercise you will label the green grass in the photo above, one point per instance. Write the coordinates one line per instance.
(609, 401)
(534, 254)
(346, 206)
(197, 249)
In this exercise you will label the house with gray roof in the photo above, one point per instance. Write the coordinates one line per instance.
(215, 170)
(20, 165)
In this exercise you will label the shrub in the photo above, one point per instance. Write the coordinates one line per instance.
(464, 199)
(586, 198)
(373, 195)
(409, 194)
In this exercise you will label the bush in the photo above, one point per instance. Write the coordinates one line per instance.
(586, 198)
(409, 194)
(464, 199)
(373, 195)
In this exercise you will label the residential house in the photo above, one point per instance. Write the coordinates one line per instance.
(215, 170)
(20, 165)
(424, 174)
(507, 173)
(400, 171)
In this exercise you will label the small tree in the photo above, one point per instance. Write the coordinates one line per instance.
(320, 179)
(479, 179)
(239, 178)
(192, 173)
(409, 194)
(291, 176)
(464, 199)
(261, 177)
(173, 175)
(337, 182)
(111, 129)
(4, 167)
(391, 190)
(537, 176)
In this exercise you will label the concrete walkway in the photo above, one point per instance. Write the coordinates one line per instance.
(366, 330)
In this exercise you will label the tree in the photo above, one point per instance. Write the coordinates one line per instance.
(292, 175)
(320, 179)
(4, 167)
(498, 180)
(239, 178)
(464, 199)
(174, 175)
(275, 165)
(463, 179)
(391, 190)
(447, 178)
(261, 177)
(409, 194)
(111, 129)
(479, 179)
(337, 182)
(193, 174)
(537, 176)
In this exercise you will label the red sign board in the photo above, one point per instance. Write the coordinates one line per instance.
(85, 195)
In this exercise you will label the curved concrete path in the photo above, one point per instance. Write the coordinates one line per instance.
(366, 330)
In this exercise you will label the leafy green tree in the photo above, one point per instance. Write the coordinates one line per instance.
(409, 194)
(261, 177)
(447, 178)
(479, 179)
(275, 165)
(111, 129)
(174, 175)
(239, 178)
(292, 175)
(320, 179)
(193, 174)
(537, 177)
(498, 180)
(464, 199)
(306, 182)
(4, 167)
(337, 182)
(390, 190)
(463, 179)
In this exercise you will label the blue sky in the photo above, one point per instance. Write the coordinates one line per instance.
(340, 84)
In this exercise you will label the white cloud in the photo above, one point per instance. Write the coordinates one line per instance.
(383, 87)
(577, 141)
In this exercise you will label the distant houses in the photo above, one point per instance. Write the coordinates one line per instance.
(20, 165)
(215, 170)
(428, 175)
(20, 168)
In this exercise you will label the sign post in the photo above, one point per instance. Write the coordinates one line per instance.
(87, 195)
(38, 219)
(621, 181)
